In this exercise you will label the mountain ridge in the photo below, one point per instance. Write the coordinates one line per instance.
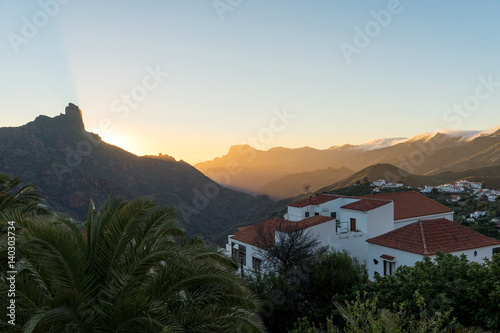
(71, 166)
(423, 154)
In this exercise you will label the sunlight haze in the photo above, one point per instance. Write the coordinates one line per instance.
(190, 79)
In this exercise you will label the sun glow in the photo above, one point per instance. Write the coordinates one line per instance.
(123, 141)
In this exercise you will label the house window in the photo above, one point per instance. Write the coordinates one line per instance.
(239, 253)
(316, 214)
(306, 214)
(353, 224)
(242, 257)
(256, 263)
(389, 267)
(333, 214)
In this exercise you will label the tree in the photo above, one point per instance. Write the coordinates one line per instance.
(308, 289)
(286, 246)
(333, 276)
(448, 282)
(133, 271)
(18, 197)
(363, 315)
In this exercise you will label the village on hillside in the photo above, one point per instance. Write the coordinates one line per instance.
(384, 231)
(460, 190)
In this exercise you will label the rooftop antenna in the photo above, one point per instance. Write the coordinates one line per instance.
(306, 187)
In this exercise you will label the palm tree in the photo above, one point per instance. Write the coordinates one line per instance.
(16, 196)
(133, 271)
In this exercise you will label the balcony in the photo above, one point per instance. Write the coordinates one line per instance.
(342, 229)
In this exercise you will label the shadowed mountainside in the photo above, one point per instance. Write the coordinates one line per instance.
(72, 166)
(294, 184)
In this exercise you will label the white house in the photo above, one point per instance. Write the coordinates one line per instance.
(411, 206)
(427, 189)
(379, 182)
(476, 185)
(478, 214)
(409, 244)
(340, 222)
(247, 244)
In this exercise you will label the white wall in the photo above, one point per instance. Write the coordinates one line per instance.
(409, 258)
(251, 251)
(354, 243)
(381, 220)
(371, 223)
(325, 209)
(295, 213)
(403, 222)
(401, 258)
(361, 219)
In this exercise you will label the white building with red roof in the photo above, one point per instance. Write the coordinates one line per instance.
(409, 244)
(343, 223)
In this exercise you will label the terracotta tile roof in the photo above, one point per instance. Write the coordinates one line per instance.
(307, 223)
(252, 234)
(316, 200)
(428, 236)
(365, 205)
(411, 204)
(387, 257)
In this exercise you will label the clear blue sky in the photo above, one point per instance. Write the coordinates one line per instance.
(227, 77)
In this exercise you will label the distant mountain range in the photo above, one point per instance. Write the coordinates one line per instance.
(283, 172)
(72, 166)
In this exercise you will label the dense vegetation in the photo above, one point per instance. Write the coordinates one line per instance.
(130, 270)
(448, 294)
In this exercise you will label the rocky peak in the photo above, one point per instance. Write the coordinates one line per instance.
(74, 116)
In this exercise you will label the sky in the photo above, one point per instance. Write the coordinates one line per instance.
(190, 78)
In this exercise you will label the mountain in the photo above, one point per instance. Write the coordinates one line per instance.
(294, 184)
(373, 144)
(480, 152)
(72, 166)
(434, 153)
(248, 169)
(257, 171)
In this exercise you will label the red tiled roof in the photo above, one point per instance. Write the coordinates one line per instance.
(365, 205)
(316, 200)
(306, 223)
(428, 236)
(387, 257)
(411, 204)
(252, 234)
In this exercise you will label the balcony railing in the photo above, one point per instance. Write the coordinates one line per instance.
(341, 227)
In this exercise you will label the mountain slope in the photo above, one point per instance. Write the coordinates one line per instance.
(293, 184)
(490, 175)
(248, 169)
(72, 166)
